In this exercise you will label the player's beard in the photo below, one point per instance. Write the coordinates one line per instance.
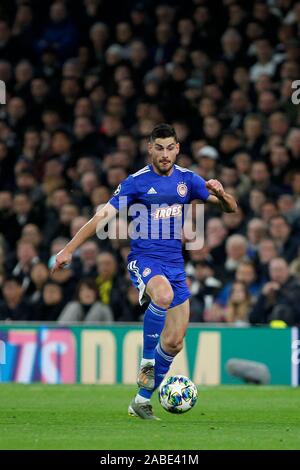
(164, 168)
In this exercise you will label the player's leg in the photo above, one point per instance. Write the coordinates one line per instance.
(172, 336)
(174, 331)
(171, 343)
(169, 346)
(147, 275)
(177, 319)
(160, 291)
(161, 294)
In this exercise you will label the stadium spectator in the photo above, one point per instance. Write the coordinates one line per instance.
(266, 251)
(131, 308)
(9, 226)
(245, 273)
(8, 46)
(236, 252)
(14, 306)
(25, 212)
(295, 267)
(279, 299)
(109, 283)
(39, 275)
(51, 303)
(239, 304)
(66, 280)
(207, 157)
(67, 213)
(281, 233)
(60, 33)
(85, 264)
(204, 286)
(26, 258)
(6, 167)
(256, 231)
(265, 60)
(293, 144)
(234, 224)
(86, 308)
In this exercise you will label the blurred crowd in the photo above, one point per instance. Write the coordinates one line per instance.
(86, 81)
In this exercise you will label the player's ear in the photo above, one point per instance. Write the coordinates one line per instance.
(177, 148)
(150, 146)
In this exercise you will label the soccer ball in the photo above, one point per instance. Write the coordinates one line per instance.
(177, 394)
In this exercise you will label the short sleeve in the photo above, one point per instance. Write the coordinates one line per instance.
(124, 195)
(198, 188)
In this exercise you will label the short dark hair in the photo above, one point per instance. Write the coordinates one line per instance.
(49, 282)
(162, 131)
(279, 216)
(88, 283)
(11, 278)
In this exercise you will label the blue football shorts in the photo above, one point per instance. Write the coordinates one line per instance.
(143, 268)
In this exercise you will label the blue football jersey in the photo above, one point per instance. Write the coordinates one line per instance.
(155, 205)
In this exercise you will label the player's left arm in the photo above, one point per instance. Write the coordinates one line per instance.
(219, 197)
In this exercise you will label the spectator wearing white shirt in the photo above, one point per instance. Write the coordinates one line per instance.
(265, 62)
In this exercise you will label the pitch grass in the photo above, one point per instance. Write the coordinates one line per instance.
(95, 417)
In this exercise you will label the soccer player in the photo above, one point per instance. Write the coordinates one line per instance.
(155, 262)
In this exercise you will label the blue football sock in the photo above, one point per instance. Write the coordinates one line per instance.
(154, 320)
(163, 363)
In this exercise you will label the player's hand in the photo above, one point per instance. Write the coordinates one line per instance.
(215, 188)
(63, 258)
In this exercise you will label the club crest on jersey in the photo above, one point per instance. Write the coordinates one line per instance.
(182, 189)
(117, 190)
(146, 272)
(167, 212)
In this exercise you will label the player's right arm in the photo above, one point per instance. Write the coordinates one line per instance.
(123, 196)
(100, 219)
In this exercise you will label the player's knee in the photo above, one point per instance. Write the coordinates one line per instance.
(164, 298)
(172, 345)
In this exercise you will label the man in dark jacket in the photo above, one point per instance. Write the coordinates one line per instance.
(280, 298)
(14, 307)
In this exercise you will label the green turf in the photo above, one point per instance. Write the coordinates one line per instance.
(95, 417)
